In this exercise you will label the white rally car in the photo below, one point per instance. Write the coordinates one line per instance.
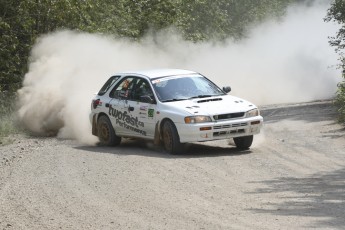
(173, 107)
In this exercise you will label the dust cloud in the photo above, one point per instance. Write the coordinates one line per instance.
(280, 61)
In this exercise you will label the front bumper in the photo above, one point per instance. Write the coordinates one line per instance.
(219, 130)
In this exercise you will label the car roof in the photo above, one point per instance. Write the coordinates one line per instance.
(154, 73)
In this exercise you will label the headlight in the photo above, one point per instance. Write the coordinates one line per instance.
(253, 113)
(197, 119)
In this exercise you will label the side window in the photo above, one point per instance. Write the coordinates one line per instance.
(107, 85)
(142, 89)
(124, 88)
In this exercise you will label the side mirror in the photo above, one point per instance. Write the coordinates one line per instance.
(226, 89)
(147, 99)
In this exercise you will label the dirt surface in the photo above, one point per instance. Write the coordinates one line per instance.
(292, 178)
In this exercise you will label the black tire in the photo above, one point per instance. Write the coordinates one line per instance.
(171, 139)
(106, 132)
(243, 143)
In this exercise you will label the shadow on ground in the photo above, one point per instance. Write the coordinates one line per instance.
(144, 148)
(309, 112)
(320, 195)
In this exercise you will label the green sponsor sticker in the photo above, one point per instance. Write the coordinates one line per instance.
(150, 112)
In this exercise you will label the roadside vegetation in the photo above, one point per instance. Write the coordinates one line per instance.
(340, 101)
(8, 125)
(337, 13)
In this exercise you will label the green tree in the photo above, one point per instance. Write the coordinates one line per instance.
(23, 21)
(11, 61)
(337, 13)
(221, 19)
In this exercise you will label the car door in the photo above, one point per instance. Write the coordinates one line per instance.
(142, 106)
(119, 111)
(130, 110)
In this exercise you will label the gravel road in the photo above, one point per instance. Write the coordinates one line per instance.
(292, 178)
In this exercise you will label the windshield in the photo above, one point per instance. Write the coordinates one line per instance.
(184, 87)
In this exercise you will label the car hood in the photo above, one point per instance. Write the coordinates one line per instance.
(213, 105)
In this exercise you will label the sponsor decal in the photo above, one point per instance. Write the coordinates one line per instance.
(127, 121)
(126, 126)
(143, 114)
(143, 108)
(166, 79)
(151, 112)
(156, 81)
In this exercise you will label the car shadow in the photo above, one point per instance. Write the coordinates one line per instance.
(145, 148)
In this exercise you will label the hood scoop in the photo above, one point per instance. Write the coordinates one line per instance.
(193, 107)
(208, 100)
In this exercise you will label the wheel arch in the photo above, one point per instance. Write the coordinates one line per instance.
(158, 135)
(166, 119)
(170, 137)
(101, 114)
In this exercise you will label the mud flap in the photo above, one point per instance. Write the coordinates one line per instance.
(94, 126)
(157, 138)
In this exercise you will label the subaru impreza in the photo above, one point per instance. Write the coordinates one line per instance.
(171, 107)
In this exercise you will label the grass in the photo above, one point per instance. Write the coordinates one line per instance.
(340, 101)
(340, 97)
(8, 125)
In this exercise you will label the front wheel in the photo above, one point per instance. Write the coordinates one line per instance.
(106, 133)
(171, 139)
(243, 143)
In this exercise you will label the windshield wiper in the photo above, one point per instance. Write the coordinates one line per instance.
(170, 100)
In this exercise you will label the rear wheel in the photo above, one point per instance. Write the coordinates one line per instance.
(243, 143)
(106, 132)
(171, 139)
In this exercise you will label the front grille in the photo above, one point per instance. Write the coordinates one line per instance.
(230, 126)
(239, 124)
(228, 116)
